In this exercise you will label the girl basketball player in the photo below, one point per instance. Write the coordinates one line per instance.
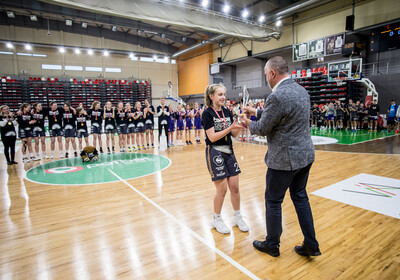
(261, 105)
(315, 116)
(179, 125)
(130, 122)
(54, 116)
(330, 113)
(139, 118)
(81, 130)
(109, 125)
(373, 116)
(120, 119)
(8, 134)
(188, 125)
(353, 115)
(69, 117)
(149, 124)
(96, 120)
(171, 126)
(340, 114)
(219, 126)
(38, 131)
(197, 121)
(25, 123)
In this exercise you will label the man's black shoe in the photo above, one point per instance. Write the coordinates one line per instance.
(305, 250)
(262, 246)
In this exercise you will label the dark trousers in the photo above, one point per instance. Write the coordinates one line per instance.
(9, 147)
(160, 128)
(278, 181)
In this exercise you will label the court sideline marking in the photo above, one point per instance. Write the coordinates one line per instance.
(190, 231)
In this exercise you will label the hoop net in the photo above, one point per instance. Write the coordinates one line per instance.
(339, 80)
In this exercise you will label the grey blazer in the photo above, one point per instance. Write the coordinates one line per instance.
(285, 122)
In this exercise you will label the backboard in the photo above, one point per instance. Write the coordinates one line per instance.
(345, 70)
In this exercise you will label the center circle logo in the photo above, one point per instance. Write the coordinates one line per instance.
(109, 168)
(64, 169)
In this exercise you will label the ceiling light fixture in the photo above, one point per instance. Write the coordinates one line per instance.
(278, 23)
(261, 18)
(154, 57)
(68, 22)
(84, 24)
(139, 32)
(245, 13)
(105, 53)
(33, 17)
(77, 51)
(28, 47)
(204, 3)
(183, 38)
(226, 8)
(90, 52)
(163, 35)
(9, 45)
(114, 28)
(61, 49)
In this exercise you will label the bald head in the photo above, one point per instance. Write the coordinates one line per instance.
(276, 69)
(278, 64)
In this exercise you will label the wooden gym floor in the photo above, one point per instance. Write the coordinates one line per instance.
(157, 226)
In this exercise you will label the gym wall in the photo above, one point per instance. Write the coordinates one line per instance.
(194, 71)
(158, 73)
(312, 25)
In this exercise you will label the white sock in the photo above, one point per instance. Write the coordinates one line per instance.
(216, 216)
(236, 213)
(31, 155)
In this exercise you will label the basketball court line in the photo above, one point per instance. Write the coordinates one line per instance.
(190, 231)
(343, 152)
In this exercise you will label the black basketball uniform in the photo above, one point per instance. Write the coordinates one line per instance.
(221, 161)
(109, 122)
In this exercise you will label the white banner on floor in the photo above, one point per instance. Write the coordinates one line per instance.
(370, 192)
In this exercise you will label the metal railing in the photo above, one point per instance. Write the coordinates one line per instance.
(381, 68)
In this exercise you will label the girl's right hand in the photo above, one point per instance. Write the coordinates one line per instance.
(236, 125)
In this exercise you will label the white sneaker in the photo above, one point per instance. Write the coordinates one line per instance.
(220, 226)
(238, 221)
(45, 156)
(61, 155)
(25, 159)
(35, 158)
(52, 155)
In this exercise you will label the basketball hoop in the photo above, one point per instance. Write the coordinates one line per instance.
(339, 81)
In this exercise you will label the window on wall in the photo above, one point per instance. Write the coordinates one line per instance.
(93, 69)
(114, 70)
(73, 68)
(146, 59)
(6, 53)
(32, 54)
(162, 60)
(173, 61)
(51, 67)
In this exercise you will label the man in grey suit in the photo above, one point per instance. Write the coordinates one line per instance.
(285, 122)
